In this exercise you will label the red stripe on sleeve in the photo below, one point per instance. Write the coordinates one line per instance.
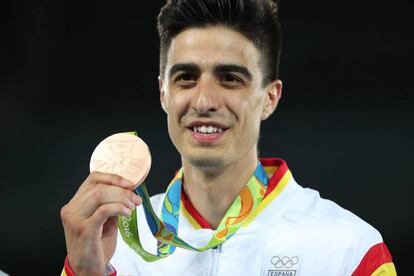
(113, 270)
(376, 256)
(69, 271)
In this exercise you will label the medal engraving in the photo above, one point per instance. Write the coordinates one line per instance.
(123, 154)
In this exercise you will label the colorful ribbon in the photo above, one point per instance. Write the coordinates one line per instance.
(165, 229)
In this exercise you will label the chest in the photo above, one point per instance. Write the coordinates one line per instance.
(274, 253)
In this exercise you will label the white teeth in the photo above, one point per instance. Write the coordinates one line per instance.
(207, 129)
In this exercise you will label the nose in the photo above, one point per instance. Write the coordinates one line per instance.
(206, 98)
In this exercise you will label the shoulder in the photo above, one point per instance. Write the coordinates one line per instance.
(314, 211)
(337, 232)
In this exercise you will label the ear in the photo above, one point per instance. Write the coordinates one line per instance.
(273, 94)
(162, 94)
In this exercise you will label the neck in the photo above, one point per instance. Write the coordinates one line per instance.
(212, 191)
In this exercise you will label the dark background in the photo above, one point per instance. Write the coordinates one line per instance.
(72, 73)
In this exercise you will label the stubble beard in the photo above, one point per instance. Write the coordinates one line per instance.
(205, 159)
(206, 162)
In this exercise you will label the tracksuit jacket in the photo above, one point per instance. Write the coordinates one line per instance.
(296, 232)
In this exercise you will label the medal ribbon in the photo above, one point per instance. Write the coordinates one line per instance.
(242, 210)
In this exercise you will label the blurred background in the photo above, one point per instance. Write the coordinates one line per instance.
(72, 73)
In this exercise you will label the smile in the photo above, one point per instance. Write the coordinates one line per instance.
(207, 132)
(207, 129)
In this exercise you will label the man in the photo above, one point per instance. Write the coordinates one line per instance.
(218, 80)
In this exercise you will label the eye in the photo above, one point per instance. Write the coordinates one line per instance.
(185, 80)
(231, 80)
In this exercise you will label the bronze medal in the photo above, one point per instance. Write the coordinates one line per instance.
(124, 154)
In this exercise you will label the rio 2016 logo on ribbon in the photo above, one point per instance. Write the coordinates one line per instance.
(285, 266)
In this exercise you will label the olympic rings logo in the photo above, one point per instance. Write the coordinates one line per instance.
(284, 261)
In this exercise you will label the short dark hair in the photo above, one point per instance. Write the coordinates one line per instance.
(257, 20)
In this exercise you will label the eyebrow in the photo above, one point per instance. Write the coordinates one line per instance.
(223, 68)
(187, 67)
(219, 68)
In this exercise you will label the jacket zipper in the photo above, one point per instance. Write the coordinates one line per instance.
(215, 257)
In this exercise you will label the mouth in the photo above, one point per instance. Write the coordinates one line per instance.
(207, 131)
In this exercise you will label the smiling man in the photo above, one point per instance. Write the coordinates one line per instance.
(240, 214)
(215, 98)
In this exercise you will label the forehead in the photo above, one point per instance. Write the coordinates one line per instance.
(209, 46)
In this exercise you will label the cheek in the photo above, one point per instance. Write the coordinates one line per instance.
(247, 109)
(252, 111)
(178, 104)
(256, 107)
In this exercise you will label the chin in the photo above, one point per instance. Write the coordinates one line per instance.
(206, 162)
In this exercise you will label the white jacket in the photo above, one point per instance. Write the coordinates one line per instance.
(298, 233)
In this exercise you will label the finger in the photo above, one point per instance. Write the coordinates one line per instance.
(110, 179)
(102, 194)
(96, 177)
(106, 211)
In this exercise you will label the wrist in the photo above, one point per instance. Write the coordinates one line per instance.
(109, 269)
